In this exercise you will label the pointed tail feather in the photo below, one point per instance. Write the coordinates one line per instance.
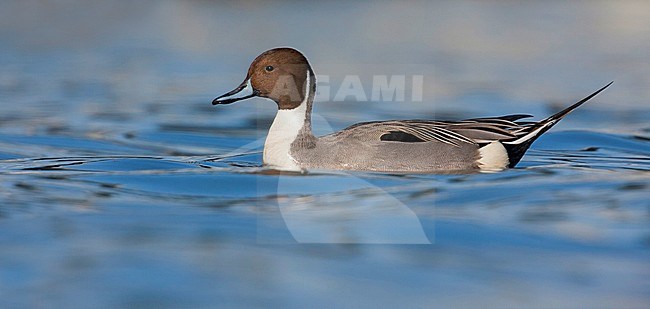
(518, 147)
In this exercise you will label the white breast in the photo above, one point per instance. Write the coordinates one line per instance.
(284, 130)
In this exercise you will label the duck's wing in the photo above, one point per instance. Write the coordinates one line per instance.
(471, 131)
(487, 130)
(406, 131)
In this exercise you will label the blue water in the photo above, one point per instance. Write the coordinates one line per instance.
(120, 185)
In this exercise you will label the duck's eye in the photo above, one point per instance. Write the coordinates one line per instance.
(269, 68)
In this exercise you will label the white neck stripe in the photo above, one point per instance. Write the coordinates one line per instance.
(284, 130)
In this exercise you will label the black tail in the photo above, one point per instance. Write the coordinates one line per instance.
(518, 147)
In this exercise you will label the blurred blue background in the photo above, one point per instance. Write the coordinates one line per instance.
(120, 185)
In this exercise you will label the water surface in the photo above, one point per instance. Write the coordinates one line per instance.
(120, 185)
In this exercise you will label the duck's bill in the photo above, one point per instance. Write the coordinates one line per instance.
(242, 92)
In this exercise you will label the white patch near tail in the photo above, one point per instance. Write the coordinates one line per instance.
(494, 157)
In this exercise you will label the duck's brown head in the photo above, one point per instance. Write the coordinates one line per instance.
(279, 74)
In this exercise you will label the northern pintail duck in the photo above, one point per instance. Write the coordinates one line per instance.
(285, 76)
